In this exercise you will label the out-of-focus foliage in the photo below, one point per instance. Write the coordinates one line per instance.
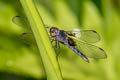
(20, 58)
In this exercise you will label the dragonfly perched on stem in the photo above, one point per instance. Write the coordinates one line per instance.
(80, 41)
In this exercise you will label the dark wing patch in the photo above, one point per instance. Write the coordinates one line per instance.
(71, 42)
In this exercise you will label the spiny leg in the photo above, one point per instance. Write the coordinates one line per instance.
(58, 44)
(52, 40)
(56, 47)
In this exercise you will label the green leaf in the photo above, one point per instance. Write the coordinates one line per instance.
(43, 42)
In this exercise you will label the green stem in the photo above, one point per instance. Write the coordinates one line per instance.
(44, 45)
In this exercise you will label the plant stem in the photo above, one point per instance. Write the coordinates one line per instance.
(43, 42)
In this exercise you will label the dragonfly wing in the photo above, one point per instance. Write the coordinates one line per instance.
(21, 21)
(91, 51)
(89, 36)
(28, 38)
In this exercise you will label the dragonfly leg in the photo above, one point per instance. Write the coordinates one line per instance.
(52, 42)
(58, 51)
(56, 47)
(58, 44)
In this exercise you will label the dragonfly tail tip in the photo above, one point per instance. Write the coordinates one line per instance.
(86, 59)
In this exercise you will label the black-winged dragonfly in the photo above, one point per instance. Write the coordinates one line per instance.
(80, 41)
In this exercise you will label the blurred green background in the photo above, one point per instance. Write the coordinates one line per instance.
(21, 61)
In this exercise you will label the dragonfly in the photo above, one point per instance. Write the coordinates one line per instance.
(79, 41)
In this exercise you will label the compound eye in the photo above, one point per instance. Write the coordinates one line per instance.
(52, 30)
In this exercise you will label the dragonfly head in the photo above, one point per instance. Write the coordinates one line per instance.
(53, 31)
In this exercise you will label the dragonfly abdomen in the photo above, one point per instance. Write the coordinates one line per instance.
(79, 53)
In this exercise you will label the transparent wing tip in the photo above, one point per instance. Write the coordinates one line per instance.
(94, 31)
(15, 20)
(15, 17)
(105, 55)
